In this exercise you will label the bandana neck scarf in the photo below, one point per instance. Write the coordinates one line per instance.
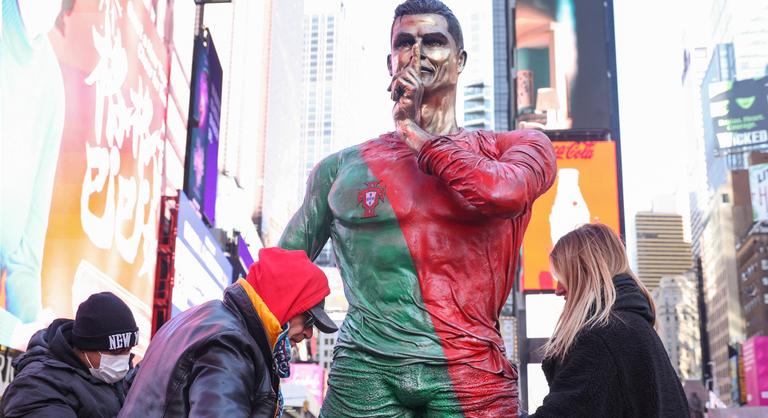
(282, 356)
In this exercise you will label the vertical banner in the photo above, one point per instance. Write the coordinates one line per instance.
(202, 157)
(586, 190)
(85, 87)
(758, 188)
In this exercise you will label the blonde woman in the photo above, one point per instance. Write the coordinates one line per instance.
(605, 358)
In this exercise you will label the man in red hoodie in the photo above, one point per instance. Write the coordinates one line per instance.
(226, 358)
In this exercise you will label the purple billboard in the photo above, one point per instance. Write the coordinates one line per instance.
(201, 162)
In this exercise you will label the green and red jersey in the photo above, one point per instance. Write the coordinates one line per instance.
(427, 243)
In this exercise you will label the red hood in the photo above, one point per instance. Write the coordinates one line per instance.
(288, 282)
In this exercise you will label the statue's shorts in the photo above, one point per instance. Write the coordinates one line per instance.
(361, 385)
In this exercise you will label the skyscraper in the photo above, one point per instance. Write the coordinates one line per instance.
(661, 250)
(725, 322)
(677, 316)
(483, 89)
(750, 39)
(731, 45)
(241, 33)
(696, 65)
(501, 50)
(752, 259)
(323, 53)
(284, 118)
(314, 126)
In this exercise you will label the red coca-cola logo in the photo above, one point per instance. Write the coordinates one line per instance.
(575, 151)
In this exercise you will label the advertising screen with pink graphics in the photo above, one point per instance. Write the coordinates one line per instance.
(756, 370)
(306, 383)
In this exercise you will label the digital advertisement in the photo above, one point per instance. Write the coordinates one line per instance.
(89, 94)
(586, 190)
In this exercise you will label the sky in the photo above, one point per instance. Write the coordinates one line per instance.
(649, 57)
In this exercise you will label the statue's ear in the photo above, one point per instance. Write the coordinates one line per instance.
(462, 60)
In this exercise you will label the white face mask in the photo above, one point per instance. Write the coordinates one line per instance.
(112, 367)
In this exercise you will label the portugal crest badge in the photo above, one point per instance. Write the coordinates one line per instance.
(370, 197)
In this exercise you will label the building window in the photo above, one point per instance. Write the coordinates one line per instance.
(765, 281)
(765, 298)
(764, 264)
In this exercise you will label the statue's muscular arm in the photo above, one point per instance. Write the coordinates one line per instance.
(310, 227)
(505, 186)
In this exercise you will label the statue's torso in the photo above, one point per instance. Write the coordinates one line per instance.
(421, 264)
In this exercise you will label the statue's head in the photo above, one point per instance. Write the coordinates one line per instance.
(432, 25)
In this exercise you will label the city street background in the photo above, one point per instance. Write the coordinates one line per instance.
(173, 141)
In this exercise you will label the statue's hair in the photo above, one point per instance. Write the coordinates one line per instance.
(421, 7)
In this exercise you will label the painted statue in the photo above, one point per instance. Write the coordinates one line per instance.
(426, 224)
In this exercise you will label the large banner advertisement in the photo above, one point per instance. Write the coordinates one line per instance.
(83, 103)
(739, 112)
(586, 190)
(202, 153)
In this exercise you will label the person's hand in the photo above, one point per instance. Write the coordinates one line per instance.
(406, 91)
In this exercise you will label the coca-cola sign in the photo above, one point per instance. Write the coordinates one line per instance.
(586, 190)
(575, 150)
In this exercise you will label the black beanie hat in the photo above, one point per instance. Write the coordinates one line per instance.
(104, 323)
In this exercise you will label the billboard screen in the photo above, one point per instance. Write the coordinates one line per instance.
(755, 352)
(202, 155)
(562, 64)
(306, 383)
(201, 269)
(243, 258)
(83, 104)
(586, 190)
(739, 112)
(758, 188)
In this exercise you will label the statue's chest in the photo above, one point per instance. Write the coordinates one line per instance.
(390, 189)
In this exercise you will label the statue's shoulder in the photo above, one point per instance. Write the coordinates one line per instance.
(379, 143)
(527, 135)
(504, 140)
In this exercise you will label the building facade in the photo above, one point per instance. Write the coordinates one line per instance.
(661, 249)
(752, 256)
(283, 125)
(314, 127)
(677, 316)
(732, 46)
(483, 90)
(725, 321)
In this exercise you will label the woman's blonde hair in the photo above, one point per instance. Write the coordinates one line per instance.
(586, 260)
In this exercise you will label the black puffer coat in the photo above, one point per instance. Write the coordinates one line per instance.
(213, 360)
(52, 382)
(620, 370)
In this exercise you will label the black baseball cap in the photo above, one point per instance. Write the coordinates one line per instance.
(323, 322)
